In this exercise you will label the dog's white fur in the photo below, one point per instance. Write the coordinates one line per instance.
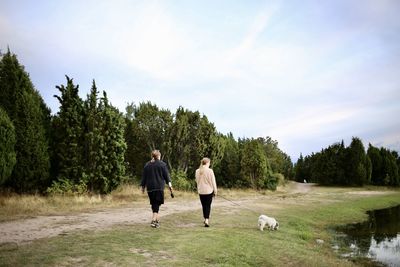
(270, 222)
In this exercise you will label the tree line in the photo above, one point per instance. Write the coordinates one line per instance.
(350, 166)
(90, 146)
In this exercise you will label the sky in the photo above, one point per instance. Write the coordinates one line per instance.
(306, 73)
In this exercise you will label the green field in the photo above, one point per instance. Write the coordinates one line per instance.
(232, 240)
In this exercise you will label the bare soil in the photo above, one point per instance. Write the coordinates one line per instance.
(27, 230)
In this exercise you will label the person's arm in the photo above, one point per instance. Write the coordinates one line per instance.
(214, 183)
(167, 177)
(197, 178)
(143, 181)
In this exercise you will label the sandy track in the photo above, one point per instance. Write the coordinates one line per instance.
(27, 230)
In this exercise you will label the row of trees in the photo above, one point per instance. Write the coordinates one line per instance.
(80, 148)
(90, 146)
(25, 160)
(186, 137)
(352, 165)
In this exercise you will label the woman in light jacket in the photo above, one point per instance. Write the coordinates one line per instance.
(206, 187)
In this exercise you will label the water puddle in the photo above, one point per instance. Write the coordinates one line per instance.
(377, 239)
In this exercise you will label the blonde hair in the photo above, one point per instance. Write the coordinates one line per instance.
(203, 162)
(155, 154)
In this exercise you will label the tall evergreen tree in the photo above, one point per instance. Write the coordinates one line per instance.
(357, 163)
(396, 156)
(299, 169)
(7, 147)
(112, 162)
(147, 128)
(340, 161)
(376, 161)
(228, 172)
(254, 163)
(68, 127)
(181, 142)
(390, 172)
(278, 160)
(93, 141)
(191, 138)
(30, 117)
(328, 166)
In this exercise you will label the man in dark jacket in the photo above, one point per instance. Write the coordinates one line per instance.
(155, 175)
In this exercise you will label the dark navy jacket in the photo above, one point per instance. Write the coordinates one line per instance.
(155, 175)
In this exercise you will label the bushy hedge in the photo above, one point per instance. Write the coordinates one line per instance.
(180, 181)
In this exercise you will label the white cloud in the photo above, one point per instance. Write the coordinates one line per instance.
(273, 74)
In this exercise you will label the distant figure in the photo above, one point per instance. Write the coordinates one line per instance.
(206, 187)
(305, 181)
(155, 175)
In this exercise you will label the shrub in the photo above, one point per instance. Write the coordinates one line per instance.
(180, 181)
(271, 181)
(67, 187)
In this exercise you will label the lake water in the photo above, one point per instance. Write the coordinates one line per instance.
(378, 238)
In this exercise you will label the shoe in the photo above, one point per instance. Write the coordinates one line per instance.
(157, 224)
(206, 224)
(153, 224)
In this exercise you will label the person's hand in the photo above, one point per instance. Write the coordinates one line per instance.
(142, 189)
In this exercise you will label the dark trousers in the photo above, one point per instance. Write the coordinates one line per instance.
(156, 199)
(206, 204)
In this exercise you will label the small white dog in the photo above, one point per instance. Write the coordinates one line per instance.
(270, 222)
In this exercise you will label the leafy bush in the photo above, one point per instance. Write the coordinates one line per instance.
(180, 181)
(271, 181)
(67, 187)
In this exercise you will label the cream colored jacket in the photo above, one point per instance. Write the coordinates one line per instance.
(206, 182)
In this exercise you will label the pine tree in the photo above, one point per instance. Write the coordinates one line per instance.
(374, 154)
(278, 160)
(30, 117)
(10, 75)
(93, 142)
(357, 163)
(341, 164)
(299, 169)
(192, 137)
(68, 128)
(254, 163)
(112, 161)
(147, 128)
(390, 172)
(7, 144)
(137, 153)
(228, 172)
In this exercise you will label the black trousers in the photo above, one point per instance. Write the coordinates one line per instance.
(206, 204)
(156, 199)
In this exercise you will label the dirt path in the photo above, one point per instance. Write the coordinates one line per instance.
(48, 226)
(302, 188)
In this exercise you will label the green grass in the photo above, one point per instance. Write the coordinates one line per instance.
(232, 240)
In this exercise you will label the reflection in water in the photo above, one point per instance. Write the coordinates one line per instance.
(386, 251)
(378, 238)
